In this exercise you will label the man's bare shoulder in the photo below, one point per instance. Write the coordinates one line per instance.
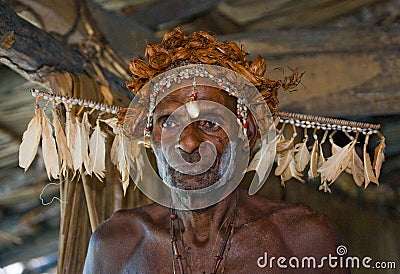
(121, 234)
(132, 221)
(304, 229)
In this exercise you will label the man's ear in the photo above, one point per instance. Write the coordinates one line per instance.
(252, 133)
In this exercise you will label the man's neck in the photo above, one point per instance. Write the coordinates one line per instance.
(203, 225)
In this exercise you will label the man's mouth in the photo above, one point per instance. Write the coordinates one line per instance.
(192, 169)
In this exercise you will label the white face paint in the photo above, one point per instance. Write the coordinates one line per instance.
(220, 173)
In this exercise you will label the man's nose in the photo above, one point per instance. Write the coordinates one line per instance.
(190, 139)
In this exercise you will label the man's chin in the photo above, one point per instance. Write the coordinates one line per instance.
(190, 182)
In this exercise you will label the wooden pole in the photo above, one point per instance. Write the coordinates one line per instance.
(93, 217)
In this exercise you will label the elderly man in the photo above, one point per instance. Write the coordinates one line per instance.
(206, 224)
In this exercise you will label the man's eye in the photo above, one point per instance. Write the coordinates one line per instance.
(209, 124)
(169, 124)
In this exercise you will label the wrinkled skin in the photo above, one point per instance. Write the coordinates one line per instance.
(139, 241)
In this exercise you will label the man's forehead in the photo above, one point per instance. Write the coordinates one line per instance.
(182, 96)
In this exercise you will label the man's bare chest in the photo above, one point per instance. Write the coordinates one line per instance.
(155, 255)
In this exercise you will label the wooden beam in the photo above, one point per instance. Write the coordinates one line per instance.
(345, 85)
(35, 54)
(306, 14)
(349, 72)
(166, 14)
(299, 42)
(126, 35)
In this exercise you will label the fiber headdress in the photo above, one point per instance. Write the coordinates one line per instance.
(294, 157)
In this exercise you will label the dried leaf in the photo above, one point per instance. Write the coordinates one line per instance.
(30, 141)
(85, 128)
(283, 144)
(137, 159)
(282, 157)
(368, 171)
(325, 187)
(334, 147)
(73, 133)
(262, 163)
(290, 171)
(356, 167)
(313, 171)
(97, 147)
(119, 158)
(113, 123)
(62, 145)
(301, 156)
(337, 163)
(49, 149)
(62, 83)
(321, 158)
(379, 157)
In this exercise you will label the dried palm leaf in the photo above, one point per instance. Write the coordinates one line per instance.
(291, 171)
(337, 163)
(62, 145)
(356, 167)
(313, 171)
(49, 149)
(325, 187)
(73, 133)
(97, 156)
(118, 152)
(262, 163)
(301, 156)
(30, 141)
(85, 129)
(282, 156)
(119, 158)
(113, 123)
(379, 157)
(283, 144)
(368, 171)
(137, 159)
(321, 160)
(283, 159)
(321, 157)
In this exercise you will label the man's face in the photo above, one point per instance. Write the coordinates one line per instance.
(175, 132)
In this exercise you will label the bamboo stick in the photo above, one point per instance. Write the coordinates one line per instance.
(69, 189)
(93, 217)
(72, 228)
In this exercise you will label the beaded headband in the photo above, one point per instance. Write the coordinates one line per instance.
(191, 73)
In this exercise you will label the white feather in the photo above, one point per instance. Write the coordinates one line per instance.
(119, 158)
(113, 123)
(30, 141)
(97, 155)
(301, 156)
(85, 129)
(62, 144)
(73, 132)
(262, 163)
(50, 155)
(337, 163)
(291, 171)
